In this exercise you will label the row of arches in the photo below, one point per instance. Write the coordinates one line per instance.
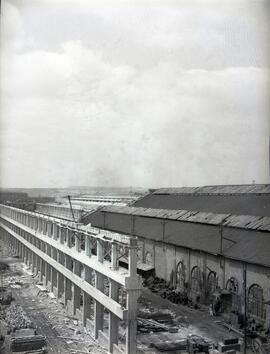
(255, 296)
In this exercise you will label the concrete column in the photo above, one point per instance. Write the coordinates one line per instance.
(48, 227)
(113, 320)
(132, 297)
(53, 270)
(88, 246)
(20, 250)
(76, 296)
(131, 330)
(28, 257)
(38, 265)
(78, 242)
(68, 238)
(132, 259)
(67, 282)
(86, 297)
(98, 308)
(34, 265)
(55, 231)
(23, 254)
(114, 257)
(61, 234)
(47, 266)
(60, 277)
(100, 251)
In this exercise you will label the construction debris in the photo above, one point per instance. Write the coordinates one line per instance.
(16, 318)
(167, 291)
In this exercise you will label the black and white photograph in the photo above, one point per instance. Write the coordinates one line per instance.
(135, 176)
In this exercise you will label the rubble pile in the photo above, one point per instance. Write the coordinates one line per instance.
(167, 291)
(16, 318)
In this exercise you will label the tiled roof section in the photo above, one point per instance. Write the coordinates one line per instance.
(238, 221)
(219, 189)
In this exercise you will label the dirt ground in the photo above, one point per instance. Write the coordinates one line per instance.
(66, 335)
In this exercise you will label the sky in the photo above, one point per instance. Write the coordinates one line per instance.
(134, 93)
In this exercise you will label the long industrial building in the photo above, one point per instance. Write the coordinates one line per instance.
(213, 239)
(207, 241)
(80, 265)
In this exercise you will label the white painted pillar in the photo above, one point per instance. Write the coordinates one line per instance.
(86, 297)
(60, 277)
(77, 241)
(100, 251)
(88, 246)
(114, 257)
(98, 308)
(76, 296)
(113, 320)
(67, 282)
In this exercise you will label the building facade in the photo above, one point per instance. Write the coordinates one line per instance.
(205, 252)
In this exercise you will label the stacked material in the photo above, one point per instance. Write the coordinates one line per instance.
(167, 291)
(157, 321)
(168, 346)
(193, 344)
(16, 318)
(28, 340)
(229, 344)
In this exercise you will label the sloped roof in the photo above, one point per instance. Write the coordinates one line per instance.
(244, 238)
(218, 189)
(239, 221)
(257, 204)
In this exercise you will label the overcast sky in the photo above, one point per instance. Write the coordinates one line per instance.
(134, 93)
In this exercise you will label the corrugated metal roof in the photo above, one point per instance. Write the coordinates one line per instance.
(218, 189)
(243, 238)
(251, 248)
(240, 221)
(237, 204)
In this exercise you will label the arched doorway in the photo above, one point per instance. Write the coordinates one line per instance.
(212, 282)
(256, 305)
(232, 286)
(180, 275)
(196, 281)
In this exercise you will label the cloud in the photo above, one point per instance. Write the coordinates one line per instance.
(76, 115)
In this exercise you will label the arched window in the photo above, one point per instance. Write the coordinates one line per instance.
(180, 275)
(148, 258)
(256, 306)
(212, 282)
(232, 286)
(196, 280)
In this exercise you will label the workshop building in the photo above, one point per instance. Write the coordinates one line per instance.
(206, 240)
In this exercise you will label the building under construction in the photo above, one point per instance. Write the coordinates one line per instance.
(209, 245)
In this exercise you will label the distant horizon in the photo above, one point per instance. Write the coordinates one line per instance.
(137, 187)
